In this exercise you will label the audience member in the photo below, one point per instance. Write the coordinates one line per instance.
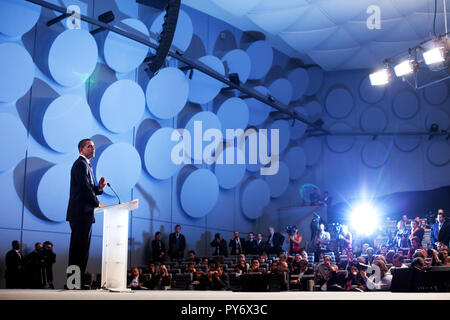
(14, 273)
(219, 245)
(236, 244)
(158, 248)
(397, 261)
(35, 267)
(401, 225)
(192, 257)
(250, 245)
(370, 257)
(301, 269)
(136, 282)
(443, 228)
(415, 245)
(177, 244)
(346, 237)
(260, 244)
(294, 241)
(165, 279)
(218, 280)
(278, 278)
(416, 231)
(346, 264)
(390, 256)
(275, 241)
(199, 281)
(418, 263)
(49, 258)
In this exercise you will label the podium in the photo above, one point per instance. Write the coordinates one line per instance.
(115, 245)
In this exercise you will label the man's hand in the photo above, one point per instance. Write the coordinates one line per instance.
(101, 205)
(102, 183)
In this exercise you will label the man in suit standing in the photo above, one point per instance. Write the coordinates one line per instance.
(260, 244)
(82, 202)
(236, 244)
(158, 248)
(14, 267)
(177, 244)
(441, 229)
(250, 244)
(275, 242)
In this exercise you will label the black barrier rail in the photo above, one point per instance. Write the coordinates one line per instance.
(248, 93)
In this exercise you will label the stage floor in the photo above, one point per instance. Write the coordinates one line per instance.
(6, 294)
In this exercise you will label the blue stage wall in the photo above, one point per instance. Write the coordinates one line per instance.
(59, 85)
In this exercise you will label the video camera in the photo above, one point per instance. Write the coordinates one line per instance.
(291, 230)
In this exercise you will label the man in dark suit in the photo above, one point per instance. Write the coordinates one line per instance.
(275, 241)
(177, 244)
(442, 229)
(250, 244)
(158, 248)
(236, 244)
(260, 244)
(82, 202)
(14, 267)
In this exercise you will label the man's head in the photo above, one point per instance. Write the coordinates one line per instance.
(282, 256)
(418, 263)
(205, 261)
(441, 216)
(398, 259)
(15, 245)
(236, 234)
(384, 249)
(350, 255)
(241, 257)
(48, 245)
(38, 246)
(191, 254)
(405, 218)
(86, 148)
(414, 224)
(282, 266)
(303, 265)
(135, 272)
(191, 268)
(177, 228)
(327, 260)
(322, 227)
(400, 251)
(158, 235)
(255, 263)
(369, 251)
(444, 252)
(259, 236)
(271, 230)
(251, 235)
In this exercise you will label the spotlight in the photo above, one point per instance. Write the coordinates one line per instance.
(380, 77)
(434, 55)
(404, 68)
(364, 218)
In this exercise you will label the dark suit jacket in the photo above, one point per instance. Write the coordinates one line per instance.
(250, 247)
(173, 250)
(220, 248)
(156, 250)
(419, 234)
(233, 246)
(278, 239)
(83, 194)
(14, 269)
(444, 234)
(261, 247)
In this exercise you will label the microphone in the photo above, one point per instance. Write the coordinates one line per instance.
(113, 191)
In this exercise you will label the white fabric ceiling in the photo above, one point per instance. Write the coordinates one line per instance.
(333, 33)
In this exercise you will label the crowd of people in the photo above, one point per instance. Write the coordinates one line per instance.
(259, 264)
(34, 270)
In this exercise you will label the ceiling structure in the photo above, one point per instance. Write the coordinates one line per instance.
(334, 34)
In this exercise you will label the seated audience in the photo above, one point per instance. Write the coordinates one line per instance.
(397, 262)
(298, 282)
(278, 278)
(346, 264)
(199, 281)
(217, 279)
(418, 264)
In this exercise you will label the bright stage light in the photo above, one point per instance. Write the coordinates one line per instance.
(364, 218)
(404, 68)
(379, 78)
(434, 55)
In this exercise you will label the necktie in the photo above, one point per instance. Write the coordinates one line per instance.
(91, 174)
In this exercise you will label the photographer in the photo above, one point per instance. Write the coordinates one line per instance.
(294, 239)
(217, 279)
(346, 237)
